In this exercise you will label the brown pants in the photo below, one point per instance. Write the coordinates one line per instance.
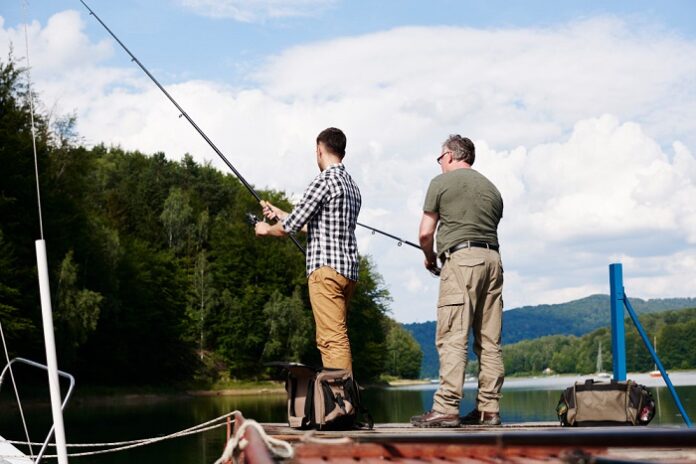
(330, 293)
(471, 288)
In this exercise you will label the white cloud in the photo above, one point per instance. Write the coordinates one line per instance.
(57, 47)
(581, 126)
(257, 10)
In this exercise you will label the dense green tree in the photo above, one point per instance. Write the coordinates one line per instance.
(368, 323)
(19, 222)
(676, 345)
(77, 311)
(202, 298)
(177, 216)
(403, 352)
(290, 328)
(14, 325)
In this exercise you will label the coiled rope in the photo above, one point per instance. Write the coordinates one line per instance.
(279, 448)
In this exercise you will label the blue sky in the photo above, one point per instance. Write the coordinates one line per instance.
(166, 36)
(582, 114)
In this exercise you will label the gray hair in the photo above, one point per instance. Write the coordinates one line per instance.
(461, 147)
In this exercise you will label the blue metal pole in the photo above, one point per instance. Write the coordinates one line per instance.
(618, 337)
(646, 341)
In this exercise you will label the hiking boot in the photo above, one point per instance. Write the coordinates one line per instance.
(435, 419)
(476, 417)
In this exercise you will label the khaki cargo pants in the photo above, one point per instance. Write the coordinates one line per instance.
(329, 294)
(471, 287)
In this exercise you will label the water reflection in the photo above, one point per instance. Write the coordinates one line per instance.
(134, 418)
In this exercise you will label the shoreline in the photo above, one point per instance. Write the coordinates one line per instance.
(266, 388)
(559, 382)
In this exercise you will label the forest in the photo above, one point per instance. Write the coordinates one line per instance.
(674, 332)
(577, 317)
(156, 276)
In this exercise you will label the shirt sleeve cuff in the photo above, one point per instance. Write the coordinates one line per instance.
(287, 227)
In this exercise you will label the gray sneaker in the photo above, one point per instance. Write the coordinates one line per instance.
(476, 417)
(435, 419)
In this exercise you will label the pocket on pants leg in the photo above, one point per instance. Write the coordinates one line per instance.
(450, 292)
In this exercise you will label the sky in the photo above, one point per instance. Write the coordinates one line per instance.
(582, 113)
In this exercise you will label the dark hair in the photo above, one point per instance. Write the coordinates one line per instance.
(334, 140)
(462, 148)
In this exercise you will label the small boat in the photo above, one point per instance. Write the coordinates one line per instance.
(600, 371)
(655, 372)
(11, 455)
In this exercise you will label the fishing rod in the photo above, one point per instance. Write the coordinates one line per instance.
(188, 118)
(435, 271)
(241, 178)
(399, 241)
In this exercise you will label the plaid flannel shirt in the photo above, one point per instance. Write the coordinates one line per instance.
(330, 208)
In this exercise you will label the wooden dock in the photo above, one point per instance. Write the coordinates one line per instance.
(522, 443)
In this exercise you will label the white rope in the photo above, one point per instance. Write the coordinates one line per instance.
(14, 385)
(309, 437)
(279, 448)
(124, 445)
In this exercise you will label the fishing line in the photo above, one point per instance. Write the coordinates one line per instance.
(31, 112)
(183, 113)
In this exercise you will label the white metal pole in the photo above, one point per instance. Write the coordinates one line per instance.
(51, 358)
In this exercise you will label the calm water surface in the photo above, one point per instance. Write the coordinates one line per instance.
(120, 420)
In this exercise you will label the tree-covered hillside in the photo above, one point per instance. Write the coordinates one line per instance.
(529, 322)
(674, 332)
(575, 317)
(155, 274)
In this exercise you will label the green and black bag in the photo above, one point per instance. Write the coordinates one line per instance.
(593, 403)
(326, 400)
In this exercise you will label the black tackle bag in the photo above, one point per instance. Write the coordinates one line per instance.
(593, 403)
(327, 399)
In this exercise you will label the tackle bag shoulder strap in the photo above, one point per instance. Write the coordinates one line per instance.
(353, 390)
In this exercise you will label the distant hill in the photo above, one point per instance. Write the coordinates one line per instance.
(576, 317)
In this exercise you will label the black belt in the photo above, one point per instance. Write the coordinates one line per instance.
(472, 244)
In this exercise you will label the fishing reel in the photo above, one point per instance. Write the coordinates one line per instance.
(435, 271)
(251, 219)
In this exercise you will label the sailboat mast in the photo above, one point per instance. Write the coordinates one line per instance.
(45, 290)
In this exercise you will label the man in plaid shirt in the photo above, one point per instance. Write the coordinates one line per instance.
(328, 212)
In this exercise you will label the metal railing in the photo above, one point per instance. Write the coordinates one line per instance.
(65, 400)
(619, 301)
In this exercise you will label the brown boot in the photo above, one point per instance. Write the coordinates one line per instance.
(435, 419)
(476, 417)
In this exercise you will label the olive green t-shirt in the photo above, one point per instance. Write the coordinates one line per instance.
(469, 205)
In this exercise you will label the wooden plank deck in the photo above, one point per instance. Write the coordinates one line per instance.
(519, 443)
(284, 432)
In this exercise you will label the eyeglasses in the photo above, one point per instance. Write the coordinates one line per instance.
(439, 158)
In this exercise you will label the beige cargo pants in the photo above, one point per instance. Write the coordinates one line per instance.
(329, 294)
(471, 287)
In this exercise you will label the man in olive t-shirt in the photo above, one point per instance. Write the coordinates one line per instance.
(465, 209)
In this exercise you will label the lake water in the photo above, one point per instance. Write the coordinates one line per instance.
(524, 400)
